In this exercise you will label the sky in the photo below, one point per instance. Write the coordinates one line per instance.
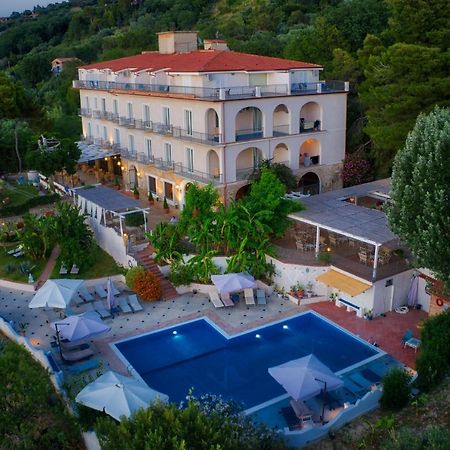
(8, 6)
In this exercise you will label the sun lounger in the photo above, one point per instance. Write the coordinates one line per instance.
(74, 270)
(89, 308)
(124, 306)
(115, 290)
(226, 300)
(261, 297)
(100, 291)
(67, 345)
(18, 254)
(15, 250)
(83, 367)
(78, 355)
(134, 303)
(101, 310)
(85, 294)
(249, 297)
(63, 269)
(215, 300)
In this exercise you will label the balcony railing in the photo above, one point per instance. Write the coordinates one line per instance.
(85, 112)
(280, 130)
(194, 136)
(220, 93)
(309, 161)
(197, 175)
(248, 135)
(99, 114)
(164, 165)
(126, 122)
(246, 173)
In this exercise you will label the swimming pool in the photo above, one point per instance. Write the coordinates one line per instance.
(199, 355)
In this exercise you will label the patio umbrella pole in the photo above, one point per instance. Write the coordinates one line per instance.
(324, 391)
(58, 340)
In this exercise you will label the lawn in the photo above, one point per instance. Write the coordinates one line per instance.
(10, 266)
(103, 266)
(32, 414)
(18, 194)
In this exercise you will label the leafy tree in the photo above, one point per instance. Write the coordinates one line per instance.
(419, 213)
(400, 83)
(396, 390)
(197, 426)
(38, 236)
(165, 239)
(131, 275)
(282, 172)
(433, 364)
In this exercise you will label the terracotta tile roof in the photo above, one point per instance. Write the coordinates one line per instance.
(201, 61)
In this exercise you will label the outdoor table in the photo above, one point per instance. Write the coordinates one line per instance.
(234, 298)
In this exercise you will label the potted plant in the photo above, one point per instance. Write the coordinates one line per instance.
(166, 206)
(309, 289)
(333, 296)
(151, 200)
(136, 192)
(368, 314)
(117, 183)
(23, 328)
(300, 291)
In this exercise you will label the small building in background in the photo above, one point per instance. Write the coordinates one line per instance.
(59, 63)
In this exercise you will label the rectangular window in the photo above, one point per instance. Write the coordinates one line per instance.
(146, 114)
(168, 152)
(190, 159)
(131, 147)
(168, 190)
(104, 105)
(188, 121)
(95, 103)
(117, 136)
(152, 184)
(166, 115)
(148, 148)
(130, 110)
(86, 102)
(89, 129)
(105, 133)
(116, 107)
(97, 130)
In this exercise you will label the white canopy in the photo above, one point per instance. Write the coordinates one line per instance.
(81, 326)
(305, 377)
(55, 293)
(232, 282)
(118, 395)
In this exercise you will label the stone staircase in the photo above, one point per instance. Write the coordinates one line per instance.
(144, 258)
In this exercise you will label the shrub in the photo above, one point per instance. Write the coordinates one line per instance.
(147, 286)
(435, 438)
(180, 274)
(134, 219)
(433, 364)
(396, 390)
(356, 170)
(150, 196)
(132, 274)
(136, 192)
(324, 257)
(16, 210)
(165, 204)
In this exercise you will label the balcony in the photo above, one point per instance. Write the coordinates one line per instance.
(161, 128)
(274, 90)
(85, 112)
(249, 135)
(161, 164)
(194, 136)
(98, 114)
(197, 175)
(127, 122)
(280, 130)
(246, 173)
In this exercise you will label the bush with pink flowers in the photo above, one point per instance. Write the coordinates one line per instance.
(356, 170)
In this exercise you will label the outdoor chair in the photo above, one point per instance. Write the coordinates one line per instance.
(100, 290)
(227, 300)
(63, 269)
(124, 306)
(407, 336)
(134, 303)
(83, 367)
(215, 299)
(85, 294)
(363, 257)
(78, 355)
(261, 297)
(249, 297)
(74, 270)
(101, 310)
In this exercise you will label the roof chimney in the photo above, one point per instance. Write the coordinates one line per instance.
(177, 41)
(215, 44)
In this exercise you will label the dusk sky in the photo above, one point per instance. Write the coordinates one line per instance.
(8, 6)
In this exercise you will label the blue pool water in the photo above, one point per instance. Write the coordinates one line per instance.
(196, 354)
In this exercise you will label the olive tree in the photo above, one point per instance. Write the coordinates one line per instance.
(420, 210)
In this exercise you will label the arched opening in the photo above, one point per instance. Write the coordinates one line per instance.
(280, 120)
(212, 125)
(310, 118)
(309, 154)
(213, 164)
(247, 162)
(133, 177)
(309, 184)
(243, 191)
(249, 124)
(281, 155)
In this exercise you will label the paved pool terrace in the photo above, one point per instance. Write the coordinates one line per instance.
(386, 331)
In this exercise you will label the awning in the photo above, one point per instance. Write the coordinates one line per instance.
(343, 283)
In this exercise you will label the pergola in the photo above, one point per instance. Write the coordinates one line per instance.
(92, 152)
(97, 200)
(333, 212)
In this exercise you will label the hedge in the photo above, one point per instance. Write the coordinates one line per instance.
(15, 210)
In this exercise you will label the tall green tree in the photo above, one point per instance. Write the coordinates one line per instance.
(420, 209)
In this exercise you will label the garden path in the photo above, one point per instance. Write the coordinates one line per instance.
(45, 275)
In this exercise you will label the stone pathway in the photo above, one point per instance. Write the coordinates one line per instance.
(45, 275)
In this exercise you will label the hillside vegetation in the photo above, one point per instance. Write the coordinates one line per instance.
(395, 53)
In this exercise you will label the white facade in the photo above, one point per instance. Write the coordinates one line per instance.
(214, 127)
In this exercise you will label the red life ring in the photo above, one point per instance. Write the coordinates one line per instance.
(439, 301)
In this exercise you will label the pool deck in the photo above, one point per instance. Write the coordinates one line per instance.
(386, 331)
